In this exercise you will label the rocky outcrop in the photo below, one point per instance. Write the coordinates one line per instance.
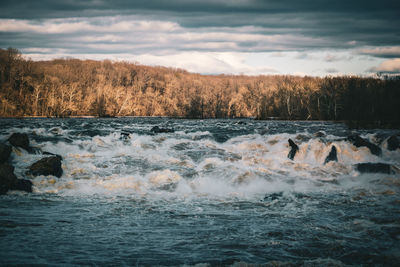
(47, 166)
(8, 180)
(157, 129)
(370, 167)
(332, 156)
(294, 149)
(20, 140)
(360, 142)
(5, 152)
(393, 143)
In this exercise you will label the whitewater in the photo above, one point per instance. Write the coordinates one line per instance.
(207, 192)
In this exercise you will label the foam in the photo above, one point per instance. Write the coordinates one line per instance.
(246, 166)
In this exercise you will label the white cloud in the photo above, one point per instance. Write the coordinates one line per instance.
(386, 51)
(74, 25)
(389, 66)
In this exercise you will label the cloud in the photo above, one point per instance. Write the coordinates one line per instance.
(339, 23)
(131, 33)
(388, 66)
(198, 62)
(308, 31)
(384, 52)
(331, 70)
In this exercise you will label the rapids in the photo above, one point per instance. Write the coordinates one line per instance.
(218, 192)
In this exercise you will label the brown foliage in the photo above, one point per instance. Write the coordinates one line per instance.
(72, 87)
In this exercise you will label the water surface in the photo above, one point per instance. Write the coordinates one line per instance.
(218, 192)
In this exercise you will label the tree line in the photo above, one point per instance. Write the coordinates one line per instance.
(73, 87)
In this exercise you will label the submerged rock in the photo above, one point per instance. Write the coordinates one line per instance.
(5, 152)
(370, 167)
(157, 129)
(319, 134)
(294, 149)
(47, 166)
(8, 180)
(359, 142)
(393, 143)
(125, 136)
(20, 140)
(52, 154)
(332, 156)
(273, 196)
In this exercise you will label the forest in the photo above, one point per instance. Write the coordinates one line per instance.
(73, 87)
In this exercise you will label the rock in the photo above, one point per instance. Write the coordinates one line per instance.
(303, 138)
(157, 129)
(370, 167)
(273, 196)
(5, 152)
(20, 140)
(47, 166)
(8, 180)
(23, 185)
(52, 154)
(393, 143)
(294, 149)
(359, 142)
(332, 156)
(125, 135)
(319, 134)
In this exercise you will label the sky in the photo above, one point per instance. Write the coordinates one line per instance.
(298, 37)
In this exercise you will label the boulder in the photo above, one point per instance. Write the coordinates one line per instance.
(370, 167)
(294, 149)
(393, 143)
(359, 142)
(5, 152)
(20, 140)
(23, 185)
(47, 166)
(332, 156)
(8, 180)
(157, 129)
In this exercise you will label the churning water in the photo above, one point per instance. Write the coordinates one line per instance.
(218, 192)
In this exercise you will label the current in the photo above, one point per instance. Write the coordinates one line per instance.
(204, 192)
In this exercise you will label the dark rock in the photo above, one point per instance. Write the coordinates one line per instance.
(20, 140)
(47, 166)
(125, 135)
(393, 143)
(359, 142)
(273, 196)
(8, 180)
(52, 154)
(23, 185)
(5, 152)
(157, 129)
(332, 156)
(370, 167)
(294, 149)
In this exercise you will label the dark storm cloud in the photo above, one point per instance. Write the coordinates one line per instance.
(338, 24)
